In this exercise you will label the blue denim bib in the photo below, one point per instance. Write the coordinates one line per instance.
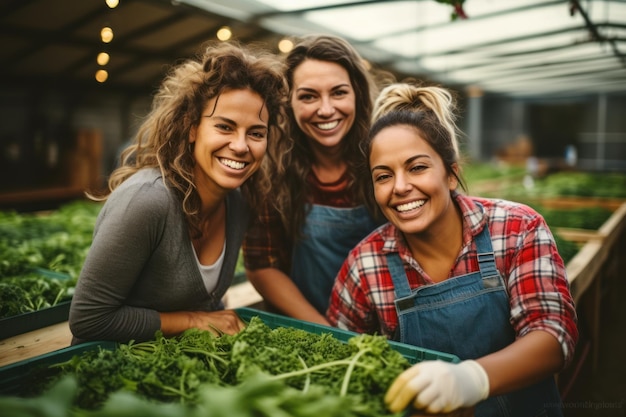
(468, 316)
(329, 234)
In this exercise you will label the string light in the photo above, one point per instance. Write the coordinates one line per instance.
(103, 58)
(106, 34)
(285, 45)
(224, 33)
(101, 75)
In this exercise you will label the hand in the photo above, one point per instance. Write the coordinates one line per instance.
(218, 322)
(438, 386)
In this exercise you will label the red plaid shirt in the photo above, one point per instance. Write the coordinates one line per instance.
(526, 256)
(266, 244)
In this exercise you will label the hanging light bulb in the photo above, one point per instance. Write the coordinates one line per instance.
(103, 58)
(112, 3)
(285, 45)
(101, 75)
(106, 34)
(224, 33)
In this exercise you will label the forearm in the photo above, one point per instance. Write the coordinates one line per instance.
(98, 310)
(437, 386)
(280, 291)
(121, 324)
(529, 359)
(174, 323)
(218, 322)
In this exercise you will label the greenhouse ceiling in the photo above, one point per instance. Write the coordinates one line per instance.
(513, 47)
(522, 48)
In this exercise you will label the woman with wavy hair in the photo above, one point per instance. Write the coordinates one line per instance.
(319, 210)
(167, 239)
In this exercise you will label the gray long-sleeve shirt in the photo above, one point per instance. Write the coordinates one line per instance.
(141, 262)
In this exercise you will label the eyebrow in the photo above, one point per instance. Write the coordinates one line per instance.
(232, 122)
(407, 162)
(336, 87)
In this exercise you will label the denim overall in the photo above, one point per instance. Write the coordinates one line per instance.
(329, 233)
(468, 316)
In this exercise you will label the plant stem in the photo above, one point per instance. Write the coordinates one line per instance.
(346, 378)
(340, 362)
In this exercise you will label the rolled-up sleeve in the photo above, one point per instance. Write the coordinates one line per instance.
(266, 243)
(540, 293)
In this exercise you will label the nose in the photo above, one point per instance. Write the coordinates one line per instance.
(326, 108)
(401, 185)
(239, 144)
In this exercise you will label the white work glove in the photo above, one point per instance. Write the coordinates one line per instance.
(437, 386)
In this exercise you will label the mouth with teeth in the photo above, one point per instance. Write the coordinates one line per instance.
(410, 206)
(233, 164)
(327, 125)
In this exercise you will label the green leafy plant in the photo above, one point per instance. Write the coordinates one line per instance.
(31, 292)
(284, 367)
(56, 241)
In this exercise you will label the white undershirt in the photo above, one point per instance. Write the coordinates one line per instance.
(210, 273)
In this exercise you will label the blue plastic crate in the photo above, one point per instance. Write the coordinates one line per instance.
(16, 377)
(26, 322)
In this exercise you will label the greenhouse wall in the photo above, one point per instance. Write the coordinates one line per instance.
(594, 126)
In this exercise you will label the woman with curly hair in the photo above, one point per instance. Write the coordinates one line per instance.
(319, 210)
(167, 239)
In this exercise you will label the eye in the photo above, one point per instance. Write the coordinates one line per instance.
(224, 127)
(258, 134)
(418, 168)
(340, 93)
(306, 97)
(381, 177)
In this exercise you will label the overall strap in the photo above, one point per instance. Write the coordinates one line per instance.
(486, 256)
(398, 275)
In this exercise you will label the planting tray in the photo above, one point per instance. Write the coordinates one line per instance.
(26, 322)
(17, 377)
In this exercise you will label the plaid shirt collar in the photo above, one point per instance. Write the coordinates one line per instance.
(474, 220)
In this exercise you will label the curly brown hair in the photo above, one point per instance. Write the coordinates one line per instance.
(162, 140)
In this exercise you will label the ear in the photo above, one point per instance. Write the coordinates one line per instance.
(453, 181)
(192, 134)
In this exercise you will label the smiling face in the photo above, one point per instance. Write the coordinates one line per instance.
(323, 102)
(230, 140)
(411, 183)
